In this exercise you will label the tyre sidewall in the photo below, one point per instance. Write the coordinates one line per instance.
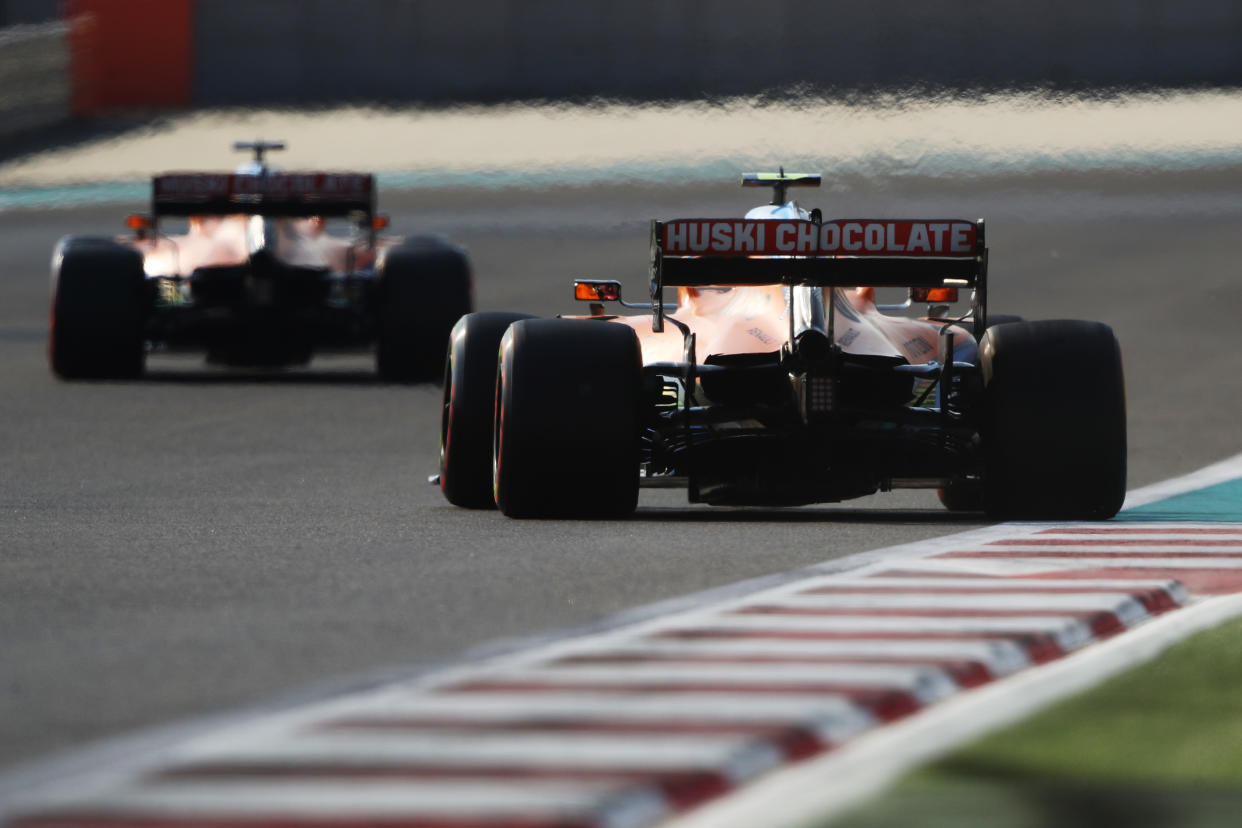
(469, 408)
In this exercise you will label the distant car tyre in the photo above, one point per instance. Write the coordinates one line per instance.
(423, 287)
(96, 329)
(568, 419)
(469, 408)
(1054, 422)
(962, 494)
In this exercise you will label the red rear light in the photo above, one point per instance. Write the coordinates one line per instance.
(597, 291)
(933, 295)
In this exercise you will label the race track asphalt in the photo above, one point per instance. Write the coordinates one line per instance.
(202, 540)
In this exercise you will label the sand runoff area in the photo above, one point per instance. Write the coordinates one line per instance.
(885, 134)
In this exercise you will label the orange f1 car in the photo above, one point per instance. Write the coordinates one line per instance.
(257, 278)
(777, 379)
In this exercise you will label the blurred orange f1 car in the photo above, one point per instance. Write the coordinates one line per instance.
(258, 278)
(778, 380)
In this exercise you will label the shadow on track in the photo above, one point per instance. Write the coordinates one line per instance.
(761, 514)
(804, 514)
(260, 377)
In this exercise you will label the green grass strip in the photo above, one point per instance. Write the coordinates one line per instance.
(1160, 745)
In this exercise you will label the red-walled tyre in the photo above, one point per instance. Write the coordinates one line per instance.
(469, 405)
(962, 494)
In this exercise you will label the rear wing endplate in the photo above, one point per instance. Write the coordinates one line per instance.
(271, 194)
(843, 252)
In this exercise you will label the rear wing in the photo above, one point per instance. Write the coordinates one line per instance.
(857, 252)
(843, 252)
(270, 194)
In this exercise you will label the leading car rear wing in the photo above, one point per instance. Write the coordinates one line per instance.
(845, 252)
(270, 194)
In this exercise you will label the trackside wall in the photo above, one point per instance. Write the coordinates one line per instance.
(130, 53)
(34, 77)
(98, 56)
(107, 55)
(283, 51)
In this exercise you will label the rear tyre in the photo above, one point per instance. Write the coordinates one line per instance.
(1054, 425)
(470, 407)
(97, 318)
(962, 494)
(423, 287)
(567, 419)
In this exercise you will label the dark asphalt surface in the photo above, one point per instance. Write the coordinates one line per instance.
(203, 540)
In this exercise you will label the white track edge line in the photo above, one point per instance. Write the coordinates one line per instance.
(798, 796)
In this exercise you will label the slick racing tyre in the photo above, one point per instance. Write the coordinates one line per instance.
(567, 419)
(469, 408)
(97, 316)
(424, 286)
(962, 494)
(1054, 421)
